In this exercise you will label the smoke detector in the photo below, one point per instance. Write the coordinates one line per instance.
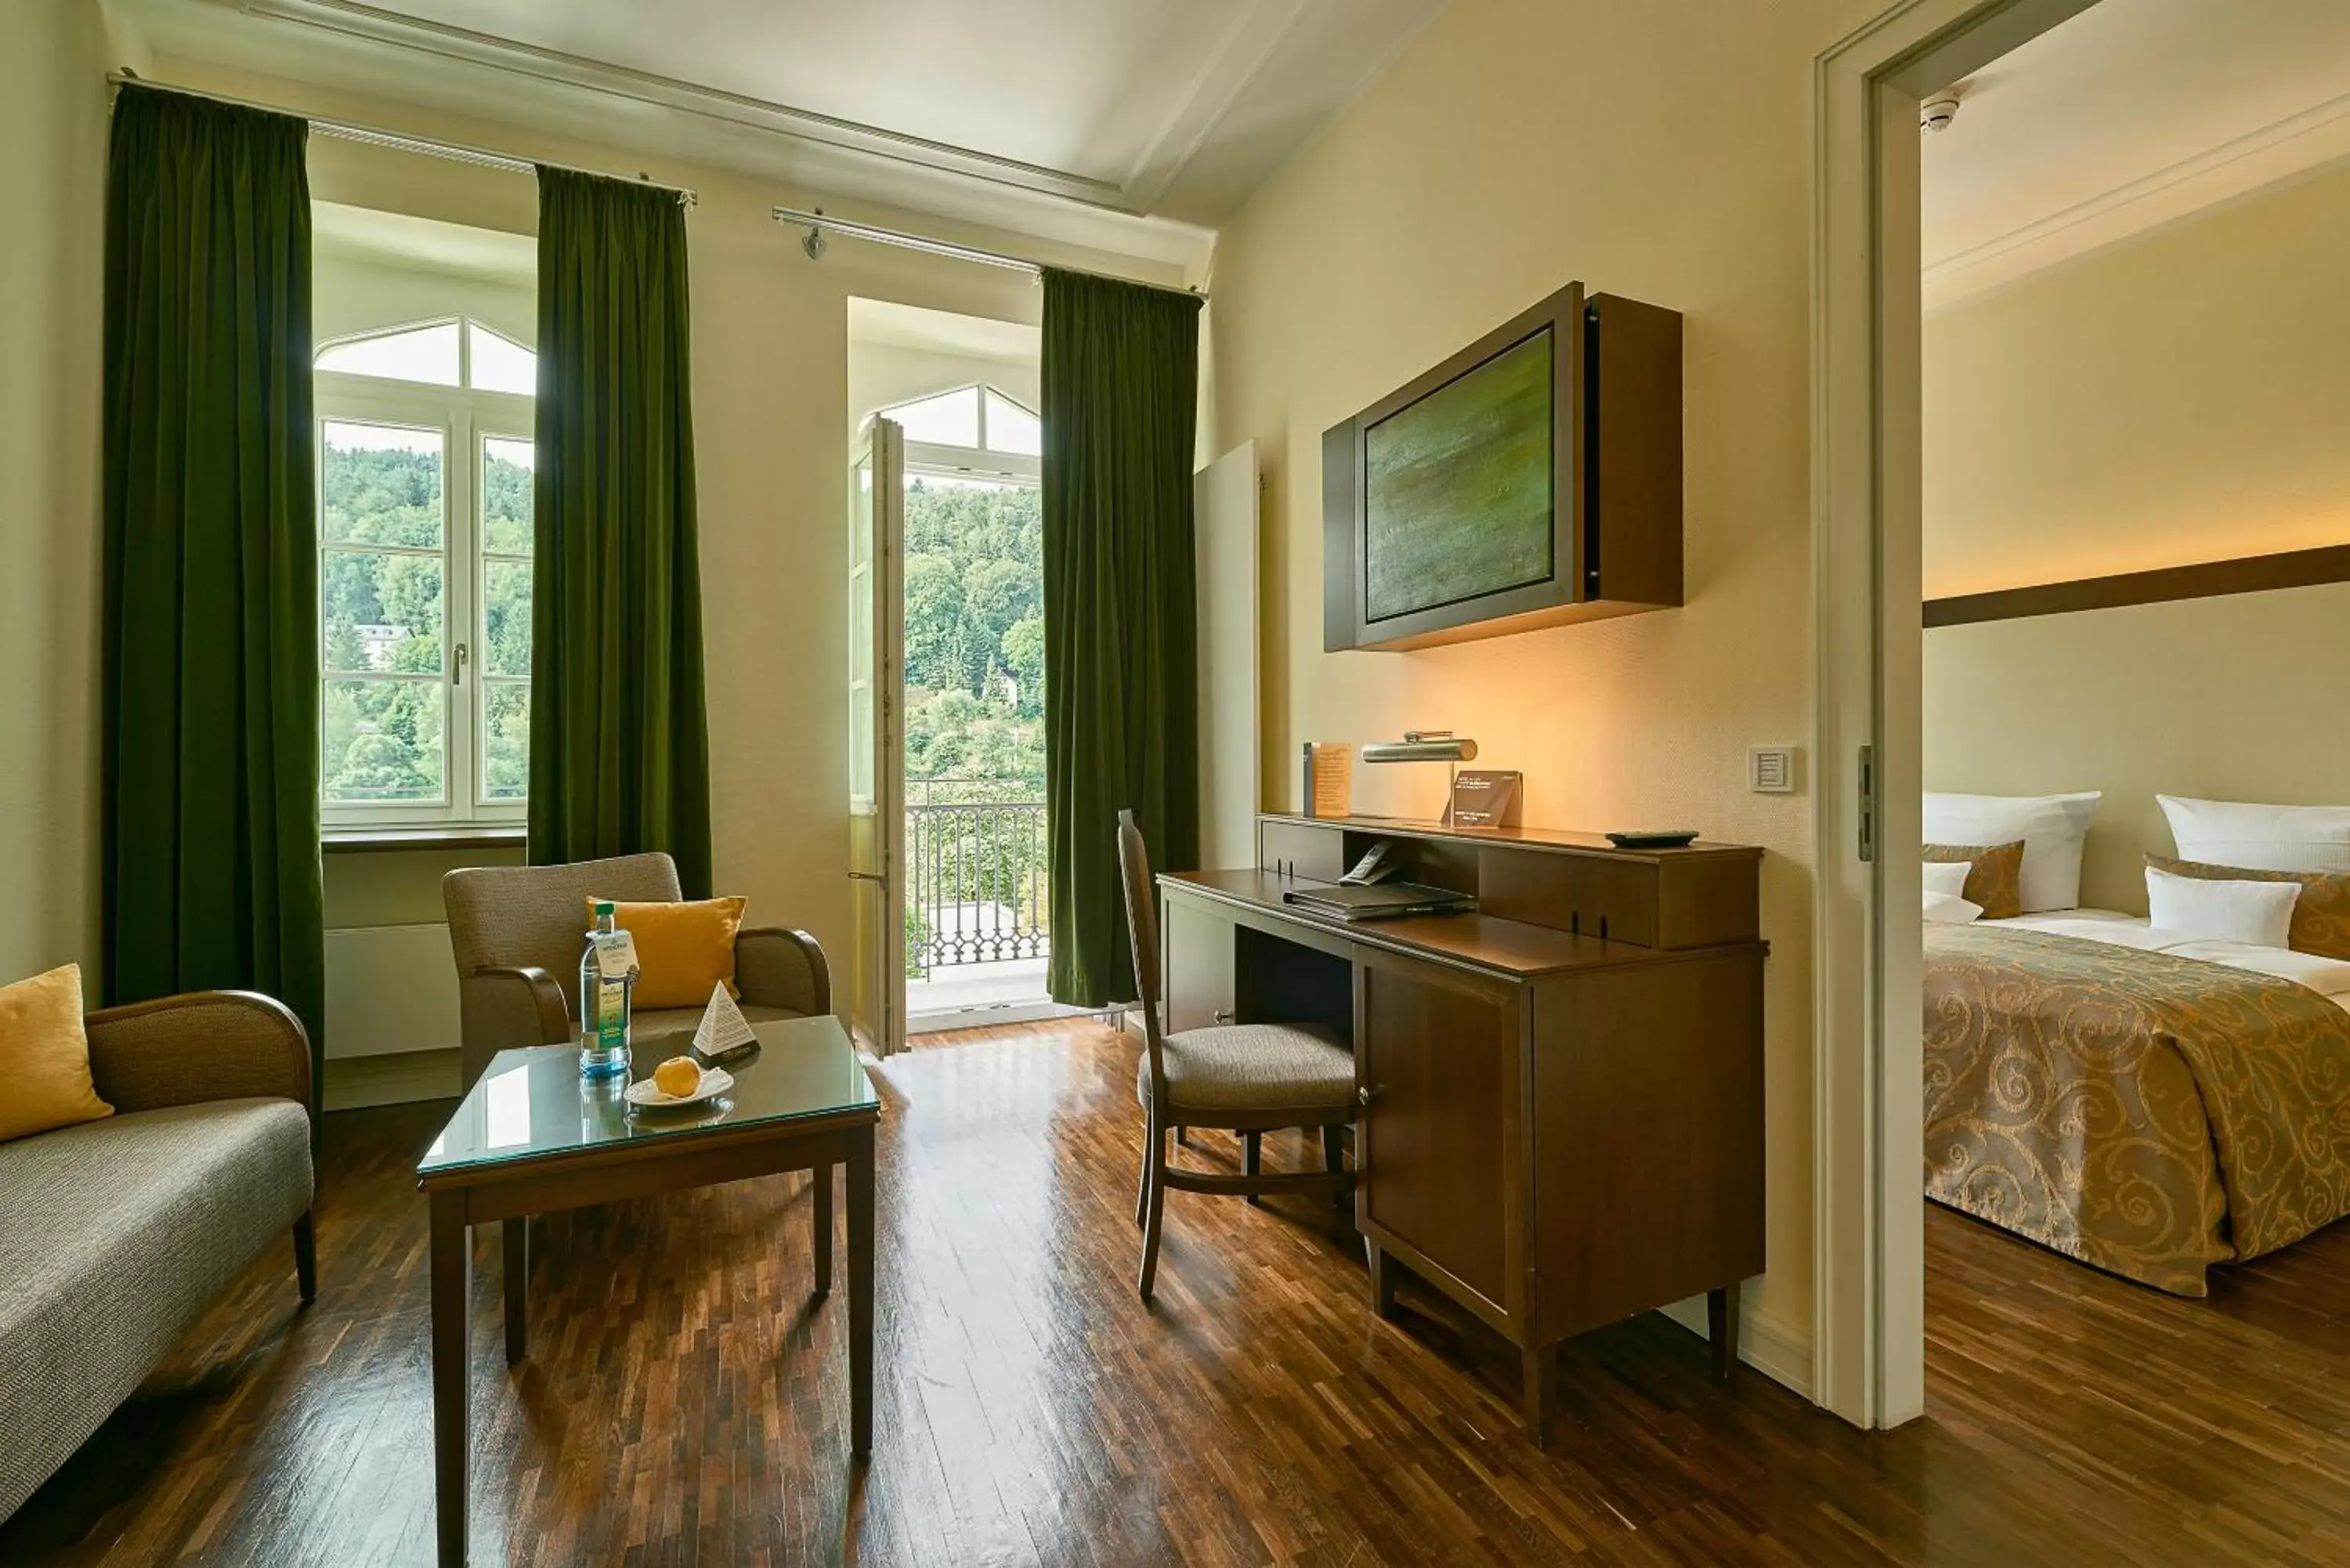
(1934, 116)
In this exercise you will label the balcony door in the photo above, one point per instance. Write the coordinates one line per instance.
(877, 762)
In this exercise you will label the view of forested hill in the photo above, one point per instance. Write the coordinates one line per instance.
(975, 635)
(381, 740)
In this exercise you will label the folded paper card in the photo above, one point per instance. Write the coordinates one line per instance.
(724, 1031)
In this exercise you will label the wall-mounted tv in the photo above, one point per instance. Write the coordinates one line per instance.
(1532, 478)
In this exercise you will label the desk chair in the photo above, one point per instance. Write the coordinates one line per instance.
(1241, 1078)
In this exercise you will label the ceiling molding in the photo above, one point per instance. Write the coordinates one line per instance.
(2293, 145)
(373, 25)
(1255, 35)
(1257, 31)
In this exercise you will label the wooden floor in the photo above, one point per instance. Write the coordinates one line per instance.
(685, 1403)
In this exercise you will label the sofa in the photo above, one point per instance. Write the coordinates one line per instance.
(116, 1234)
(517, 933)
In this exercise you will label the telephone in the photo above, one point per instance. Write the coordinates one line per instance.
(1374, 867)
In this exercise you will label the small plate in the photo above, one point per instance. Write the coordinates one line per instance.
(646, 1095)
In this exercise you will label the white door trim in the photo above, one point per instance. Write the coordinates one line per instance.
(1869, 1220)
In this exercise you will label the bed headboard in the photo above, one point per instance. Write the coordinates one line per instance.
(2226, 699)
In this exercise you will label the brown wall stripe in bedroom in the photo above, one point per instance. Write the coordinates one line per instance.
(2208, 579)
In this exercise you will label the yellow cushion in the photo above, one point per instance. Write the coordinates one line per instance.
(683, 950)
(45, 1056)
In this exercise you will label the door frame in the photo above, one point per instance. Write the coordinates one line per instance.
(1868, 1211)
(877, 874)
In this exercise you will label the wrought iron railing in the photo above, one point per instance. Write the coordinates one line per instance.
(977, 873)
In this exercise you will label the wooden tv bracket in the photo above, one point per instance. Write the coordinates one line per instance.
(1615, 534)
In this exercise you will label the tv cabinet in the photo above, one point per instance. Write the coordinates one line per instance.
(1615, 475)
(1561, 1094)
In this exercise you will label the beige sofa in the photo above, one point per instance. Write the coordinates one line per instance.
(115, 1235)
(518, 931)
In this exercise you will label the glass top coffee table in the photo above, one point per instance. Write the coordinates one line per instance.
(532, 1137)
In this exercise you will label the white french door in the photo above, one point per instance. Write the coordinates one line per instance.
(877, 757)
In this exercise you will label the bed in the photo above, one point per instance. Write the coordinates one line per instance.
(2144, 1102)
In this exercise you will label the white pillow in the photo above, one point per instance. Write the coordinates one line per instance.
(2259, 913)
(1949, 909)
(2260, 838)
(2051, 826)
(1947, 877)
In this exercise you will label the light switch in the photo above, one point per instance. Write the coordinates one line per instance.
(1771, 770)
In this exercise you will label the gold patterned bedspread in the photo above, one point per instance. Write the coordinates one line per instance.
(2148, 1114)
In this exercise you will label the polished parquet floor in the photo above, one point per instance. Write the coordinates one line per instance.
(686, 1402)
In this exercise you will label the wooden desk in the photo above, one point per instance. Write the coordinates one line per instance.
(1562, 1093)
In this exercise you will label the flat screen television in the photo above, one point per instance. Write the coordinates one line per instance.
(1468, 503)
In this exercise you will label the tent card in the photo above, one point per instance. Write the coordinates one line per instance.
(1485, 797)
(723, 1028)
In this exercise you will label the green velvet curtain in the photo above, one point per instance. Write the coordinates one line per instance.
(210, 709)
(1121, 696)
(619, 748)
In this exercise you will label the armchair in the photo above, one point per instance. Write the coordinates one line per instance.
(517, 933)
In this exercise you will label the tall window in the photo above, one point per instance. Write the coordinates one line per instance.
(424, 531)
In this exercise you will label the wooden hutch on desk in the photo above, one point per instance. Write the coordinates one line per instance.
(1561, 1094)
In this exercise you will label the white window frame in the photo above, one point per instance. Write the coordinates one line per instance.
(980, 462)
(467, 420)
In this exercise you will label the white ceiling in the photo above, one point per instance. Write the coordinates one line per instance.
(2132, 114)
(1169, 111)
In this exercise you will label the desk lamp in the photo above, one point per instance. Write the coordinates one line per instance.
(1426, 746)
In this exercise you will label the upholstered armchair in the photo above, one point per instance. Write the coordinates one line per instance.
(516, 930)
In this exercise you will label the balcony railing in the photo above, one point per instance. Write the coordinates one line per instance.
(977, 873)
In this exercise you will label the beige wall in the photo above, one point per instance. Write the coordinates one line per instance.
(1489, 165)
(2224, 699)
(771, 416)
(2181, 397)
(53, 124)
(349, 294)
(882, 373)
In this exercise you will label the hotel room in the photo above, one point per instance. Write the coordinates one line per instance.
(2136, 600)
(1057, 784)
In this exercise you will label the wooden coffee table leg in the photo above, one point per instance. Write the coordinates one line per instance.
(452, 1434)
(823, 1229)
(517, 1284)
(860, 1291)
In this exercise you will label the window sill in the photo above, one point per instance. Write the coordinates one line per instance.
(362, 840)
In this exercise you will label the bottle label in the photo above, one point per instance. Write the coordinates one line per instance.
(611, 1015)
(615, 954)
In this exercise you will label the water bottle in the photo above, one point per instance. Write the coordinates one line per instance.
(608, 984)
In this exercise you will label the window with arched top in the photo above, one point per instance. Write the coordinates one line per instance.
(970, 429)
(424, 469)
(456, 352)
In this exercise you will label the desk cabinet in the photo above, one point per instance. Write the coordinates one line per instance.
(1198, 950)
(1439, 1055)
(1561, 1121)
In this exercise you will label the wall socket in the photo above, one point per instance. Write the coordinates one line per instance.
(1773, 770)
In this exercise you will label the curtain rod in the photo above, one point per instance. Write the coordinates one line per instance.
(817, 224)
(373, 136)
